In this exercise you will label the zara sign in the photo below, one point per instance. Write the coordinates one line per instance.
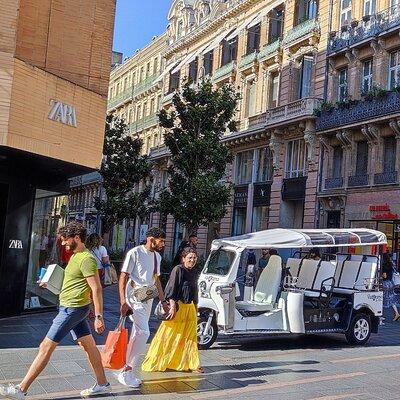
(63, 113)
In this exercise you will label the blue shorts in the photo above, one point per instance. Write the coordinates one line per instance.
(70, 319)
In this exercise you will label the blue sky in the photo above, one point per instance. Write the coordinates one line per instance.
(137, 21)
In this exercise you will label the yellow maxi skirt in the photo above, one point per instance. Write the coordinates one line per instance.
(175, 344)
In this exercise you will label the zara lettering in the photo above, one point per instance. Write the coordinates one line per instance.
(63, 113)
(15, 244)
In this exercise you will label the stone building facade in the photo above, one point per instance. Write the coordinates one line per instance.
(359, 126)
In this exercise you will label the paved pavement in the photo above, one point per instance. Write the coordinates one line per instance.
(275, 368)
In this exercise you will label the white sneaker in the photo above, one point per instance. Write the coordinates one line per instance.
(96, 389)
(127, 378)
(11, 392)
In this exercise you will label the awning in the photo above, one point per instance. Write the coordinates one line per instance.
(305, 238)
(184, 62)
(166, 71)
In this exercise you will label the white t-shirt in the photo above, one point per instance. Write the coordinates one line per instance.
(99, 253)
(139, 263)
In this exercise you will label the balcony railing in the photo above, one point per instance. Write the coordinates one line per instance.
(358, 180)
(257, 120)
(333, 183)
(270, 49)
(359, 111)
(168, 97)
(370, 26)
(247, 60)
(225, 71)
(145, 85)
(385, 178)
(144, 123)
(304, 29)
(296, 110)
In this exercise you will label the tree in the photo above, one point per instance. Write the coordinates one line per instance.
(126, 176)
(195, 194)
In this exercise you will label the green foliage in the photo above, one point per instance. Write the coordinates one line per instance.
(325, 106)
(122, 169)
(195, 194)
(376, 92)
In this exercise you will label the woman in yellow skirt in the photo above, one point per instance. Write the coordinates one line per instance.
(175, 344)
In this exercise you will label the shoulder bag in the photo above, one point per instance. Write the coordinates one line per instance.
(146, 293)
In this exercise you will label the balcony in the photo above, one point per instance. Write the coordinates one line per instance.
(301, 32)
(144, 123)
(147, 84)
(224, 72)
(168, 97)
(248, 60)
(385, 178)
(371, 26)
(358, 180)
(359, 111)
(299, 109)
(159, 152)
(333, 183)
(294, 189)
(270, 50)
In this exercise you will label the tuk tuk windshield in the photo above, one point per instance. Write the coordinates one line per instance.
(219, 262)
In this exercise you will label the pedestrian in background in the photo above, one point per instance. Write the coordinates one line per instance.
(141, 268)
(80, 279)
(389, 295)
(175, 344)
(191, 243)
(94, 244)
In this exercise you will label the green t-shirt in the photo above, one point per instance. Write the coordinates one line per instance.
(75, 290)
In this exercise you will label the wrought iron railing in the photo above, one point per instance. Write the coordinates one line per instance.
(333, 183)
(225, 71)
(168, 97)
(248, 60)
(144, 123)
(359, 111)
(301, 30)
(358, 180)
(370, 26)
(385, 178)
(269, 49)
(256, 120)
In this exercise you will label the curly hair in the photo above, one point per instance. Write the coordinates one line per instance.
(188, 250)
(156, 233)
(93, 241)
(75, 228)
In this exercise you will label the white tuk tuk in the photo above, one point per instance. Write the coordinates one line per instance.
(339, 293)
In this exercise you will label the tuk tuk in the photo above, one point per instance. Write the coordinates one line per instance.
(293, 294)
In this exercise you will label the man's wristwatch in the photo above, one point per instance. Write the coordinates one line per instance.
(99, 316)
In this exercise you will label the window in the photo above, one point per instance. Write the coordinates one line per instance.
(141, 73)
(155, 65)
(244, 167)
(174, 81)
(342, 85)
(273, 90)
(305, 77)
(275, 25)
(395, 7)
(389, 154)
(305, 10)
(239, 221)
(219, 262)
(369, 7)
(264, 166)
(253, 38)
(229, 51)
(362, 158)
(367, 76)
(250, 100)
(337, 162)
(193, 68)
(148, 70)
(296, 155)
(145, 109)
(394, 70)
(138, 112)
(152, 106)
(179, 31)
(345, 12)
(133, 78)
(208, 62)
(126, 83)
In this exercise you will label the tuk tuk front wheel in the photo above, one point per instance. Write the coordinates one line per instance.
(359, 330)
(206, 339)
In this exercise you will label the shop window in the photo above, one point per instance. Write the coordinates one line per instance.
(174, 81)
(208, 62)
(193, 69)
(394, 70)
(337, 162)
(362, 159)
(264, 166)
(342, 85)
(48, 216)
(275, 25)
(296, 155)
(239, 221)
(305, 10)
(229, 51)
(253, 38)
(369, 7)
(366, 76)
(244, 167)
(345, 12)
(260, 218)
(305, 77)
(389, 154)
(273, 90)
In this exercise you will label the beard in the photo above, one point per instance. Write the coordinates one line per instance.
(73, 245)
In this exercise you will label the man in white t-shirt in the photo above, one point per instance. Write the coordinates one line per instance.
(141, 268)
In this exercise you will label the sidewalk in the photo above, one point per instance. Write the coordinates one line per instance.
(292, 368)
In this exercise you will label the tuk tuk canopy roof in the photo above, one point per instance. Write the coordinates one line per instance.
(304, 238)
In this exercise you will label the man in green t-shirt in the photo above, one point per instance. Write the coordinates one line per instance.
(80, 280)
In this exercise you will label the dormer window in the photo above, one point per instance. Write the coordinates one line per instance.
(179, 31)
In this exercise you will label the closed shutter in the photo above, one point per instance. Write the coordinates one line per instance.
(389, 154)
(362, 158)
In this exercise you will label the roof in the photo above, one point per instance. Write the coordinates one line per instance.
(296, 238)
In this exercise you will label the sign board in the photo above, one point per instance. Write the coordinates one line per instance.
(15, 244)
(240, 196)
(382, 211)
(262, 194)
(142, 233)
(63, 113)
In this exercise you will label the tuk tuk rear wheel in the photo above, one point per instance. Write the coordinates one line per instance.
(207, 339)
(359, 330)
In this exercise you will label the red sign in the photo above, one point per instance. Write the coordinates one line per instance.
(383, 210)
(379, 207)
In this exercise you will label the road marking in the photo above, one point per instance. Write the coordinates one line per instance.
(266, 386)
(339, 396)
(381, 357)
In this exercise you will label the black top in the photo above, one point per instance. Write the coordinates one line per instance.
(182, 285)
(387, 267)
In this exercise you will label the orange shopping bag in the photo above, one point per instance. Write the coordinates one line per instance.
(114, 353)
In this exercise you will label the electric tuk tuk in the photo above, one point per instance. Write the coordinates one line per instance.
(339, 293)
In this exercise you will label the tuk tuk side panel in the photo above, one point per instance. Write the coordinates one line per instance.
(371, 300)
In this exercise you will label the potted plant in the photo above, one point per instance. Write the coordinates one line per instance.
(354, 23)
(366, 18)
(344, 28)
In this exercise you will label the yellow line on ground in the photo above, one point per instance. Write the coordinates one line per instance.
(266, 386)
(339, 396)
(380, 357)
